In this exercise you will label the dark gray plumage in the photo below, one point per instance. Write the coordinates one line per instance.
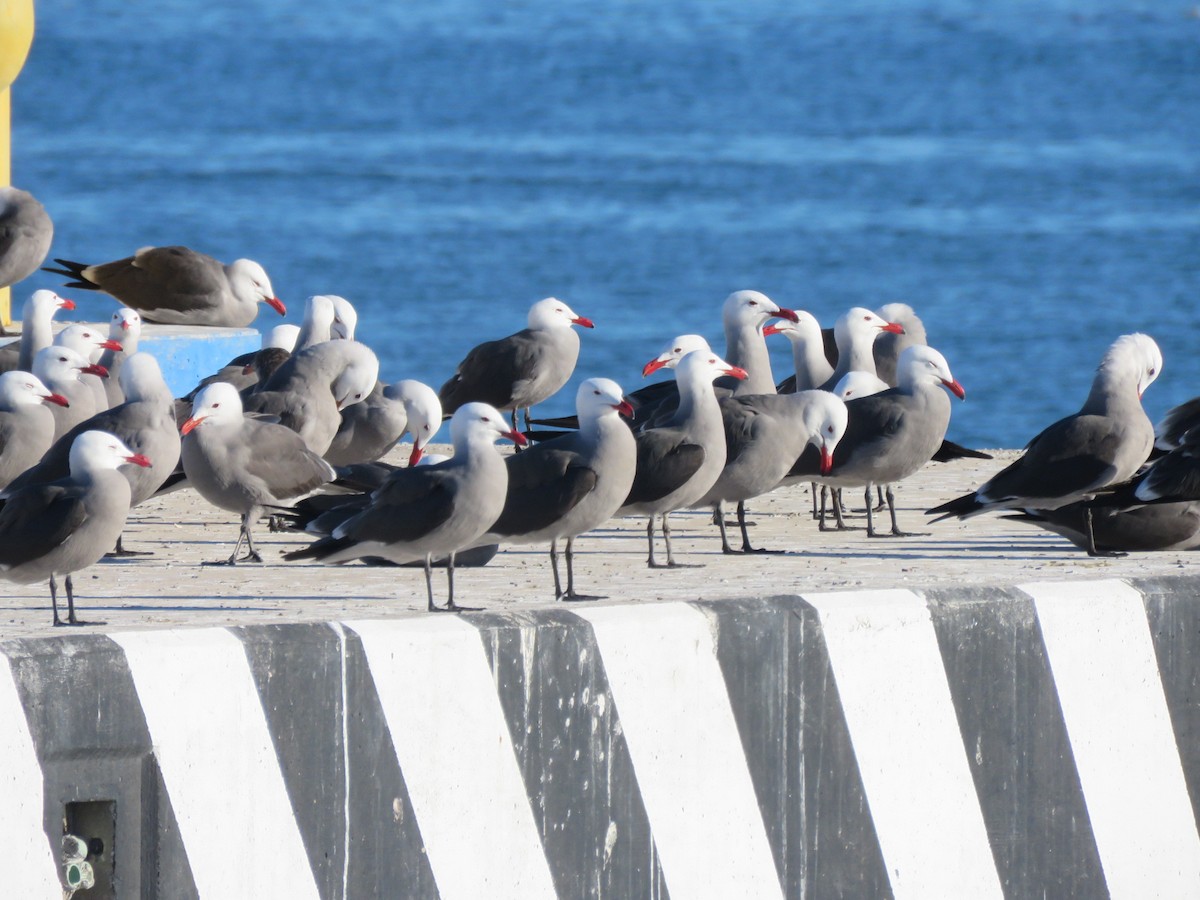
(242, 464)
(424, 512)
(178, 286)
(523, 369)
(1102, 444)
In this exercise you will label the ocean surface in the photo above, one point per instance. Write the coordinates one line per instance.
(1025, 174)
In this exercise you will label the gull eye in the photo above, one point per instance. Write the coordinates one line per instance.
(597, 393)
(215, 405)
(484, 419)
(752, 303)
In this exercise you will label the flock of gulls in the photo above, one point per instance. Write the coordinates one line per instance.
(89, 429)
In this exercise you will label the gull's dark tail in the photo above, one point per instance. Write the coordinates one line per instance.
(961, 507)
(74, 271)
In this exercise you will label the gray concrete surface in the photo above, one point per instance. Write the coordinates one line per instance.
(172, 587)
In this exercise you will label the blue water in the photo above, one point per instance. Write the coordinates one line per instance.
(1025, 174)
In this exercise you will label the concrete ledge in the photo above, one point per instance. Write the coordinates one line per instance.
(1033, 740)
(188, 353)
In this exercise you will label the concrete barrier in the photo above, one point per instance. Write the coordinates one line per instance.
(1039, 740)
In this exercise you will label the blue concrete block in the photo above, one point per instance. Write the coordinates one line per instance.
(188, 353)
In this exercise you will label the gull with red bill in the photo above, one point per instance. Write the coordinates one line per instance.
(566, 486)
(61, 527)
(1104, 443)
(242, 464)
(764, 436)
(892, 434)
(523, 369)
(179, 286)
(427, 512)
(370, 429)
(124, 327)
(144, 422)
(26, 423)
(36, 330)
(680, 460)
(92, 344)
(63, 371)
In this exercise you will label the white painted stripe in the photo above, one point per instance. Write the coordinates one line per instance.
(1102, 657)
(457, 758)
(893, 688)
(673, 707)
(29, 863)
(219, 764)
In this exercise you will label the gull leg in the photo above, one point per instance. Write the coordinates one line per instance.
(120, 551)
(429, 583)
(896, 532)
(252, 555)
(746, 548)
(570, 594)
(558, 592)
(650, 541)
(871, 532)
(54, 600)
(671, 564)
(71, 620)
(719, 518)
(1091, 533)
(451, 606)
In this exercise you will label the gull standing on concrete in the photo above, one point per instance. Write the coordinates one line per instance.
(373, 427)
(62, 370)
(523, 369)
(26, 424)
(125, 327)
(424, 512)
(310, 390)
(679, 461)
(1102, 444)
(178, 286)
(764, 436)
(892, 434)
(25, 235)
(145, 423)
(569, 485)
(60, 527)
(1158, 509)
(243, 464)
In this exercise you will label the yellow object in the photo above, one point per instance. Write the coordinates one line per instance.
(16, 36)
